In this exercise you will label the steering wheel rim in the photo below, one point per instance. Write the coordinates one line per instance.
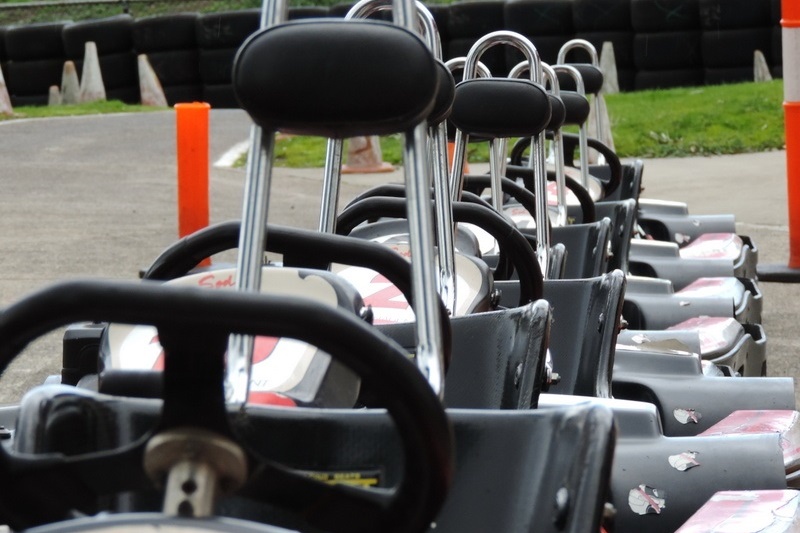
(180, 313)
(299, 247)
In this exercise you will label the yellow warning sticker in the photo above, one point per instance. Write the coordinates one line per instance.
(358, 478)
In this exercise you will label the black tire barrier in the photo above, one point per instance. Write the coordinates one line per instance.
(664, 15)
(719, 76)
(475, 19)
(118, 70)
(307, 12)
(734, 48)
(539, 17)
(215, 66)
(3, 54)
(177, 94)
(601, 15)
(733, 14)
(622, 41)
(112, 35)
(37, 99)
(547, 46)
(129, 95)
(626, 77)
(220, 96)
(776, 55)
(161, 33)
(668, 50)
(667, 79)
(226, 29)
(32, 78)
(494, 58)
(777, 71)
(441, 15)
(35, 41)
(176, 67)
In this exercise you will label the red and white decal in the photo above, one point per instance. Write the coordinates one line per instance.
(714, 245)
(646, 500)
(747, 511)
(716, 333)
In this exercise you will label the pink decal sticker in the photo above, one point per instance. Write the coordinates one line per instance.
(683, 461)
(647, 500)
(684, 416)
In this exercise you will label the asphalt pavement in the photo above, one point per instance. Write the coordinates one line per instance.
(95, 197)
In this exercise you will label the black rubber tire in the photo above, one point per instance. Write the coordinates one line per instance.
(734, 48)
(475, 19)
(776, 56)
(112, 35)
(733, 14)
(623, 47)
(649, 16)
(3, 54)
(441, 15)
(227, 29)
(539, 17)
(33, 78)
(666, 79)
(494, 58)
(129, 95)
(667, 51)
(176, 67)
(220, 96)
(118, 70)
(307, 12)
(777, 72)
(35, 41)
(178, 94)
(547, 46)
(215, 65)
(720, 76)
(626, 77)
(38, 99)
(177, 31)
(601, 15)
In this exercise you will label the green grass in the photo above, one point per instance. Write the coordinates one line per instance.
(94, 108)
(720, 119)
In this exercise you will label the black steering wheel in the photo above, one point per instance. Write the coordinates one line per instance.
(193, 326)
(299, 247)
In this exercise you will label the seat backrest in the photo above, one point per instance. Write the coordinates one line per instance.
(622, 214)
(586, 321)
(498, 357)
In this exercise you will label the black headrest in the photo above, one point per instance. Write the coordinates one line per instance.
(335, 78)
(557, 113)
(592, 78)
(576, 107)
(445, 95)
(500, 107)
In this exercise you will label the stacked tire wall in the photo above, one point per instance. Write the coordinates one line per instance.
(35, 61)
(731, 31)
(667, 43)
(657, 43)
(170, 44)
(115, 52)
